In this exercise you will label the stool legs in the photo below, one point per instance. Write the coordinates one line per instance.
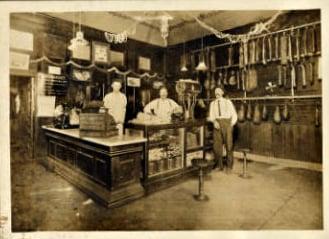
(201, 196)
(244, 173)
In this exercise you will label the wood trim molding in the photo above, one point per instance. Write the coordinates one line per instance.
(290, 163)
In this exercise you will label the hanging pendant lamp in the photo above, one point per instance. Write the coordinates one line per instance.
(184, 68)
(202, 64)
(79, 39)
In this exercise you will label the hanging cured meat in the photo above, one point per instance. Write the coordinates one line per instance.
(277, 115)
(284, 75)
(297, 39)
(257, 115)
(251, 82)
(249, 112)
(241, 113)
(285, 113)
(264, 113)
(311, 72)
(257, 50)
(252, 52)
(243, 79)
(289, 49)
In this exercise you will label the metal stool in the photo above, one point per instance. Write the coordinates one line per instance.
(201, 164)
(244, 172)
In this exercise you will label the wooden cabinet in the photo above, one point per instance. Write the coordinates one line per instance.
(109, 174)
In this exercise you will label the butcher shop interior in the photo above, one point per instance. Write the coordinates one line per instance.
(166, 120)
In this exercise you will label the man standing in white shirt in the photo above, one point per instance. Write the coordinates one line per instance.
(223, 115)
(116, 103)
(162, 107)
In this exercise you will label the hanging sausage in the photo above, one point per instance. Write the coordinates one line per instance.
(241, 113)
(269, 43)
(264, 51)
(297, 56)
(230, 56)
(213, 61)
(238, 79)
(245, 52)
(304, 43)
(284, 75)
(276, 46)
(317, 36)
(283, 49)
(264, 113)
(285, 113)
(241, 56)
(289, 49)
(310, 41)
(317, 116)
(279, 75)
(257, 51)
(243, 79)
(257, 115)
(249, 112)
(303, 75)
(277, 115)
(310, 72)
(251, 81)
(293, 76)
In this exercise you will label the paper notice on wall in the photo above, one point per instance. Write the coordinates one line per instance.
(46, 106)
(21, 40)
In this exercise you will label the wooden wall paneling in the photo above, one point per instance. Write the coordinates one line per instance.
(278, 141)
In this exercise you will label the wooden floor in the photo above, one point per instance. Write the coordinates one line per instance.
(275, 198)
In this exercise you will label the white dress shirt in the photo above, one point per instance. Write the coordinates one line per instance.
(163, 108)
(227, 110)
(116, 104)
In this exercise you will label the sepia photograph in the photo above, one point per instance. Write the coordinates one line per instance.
(163, 119)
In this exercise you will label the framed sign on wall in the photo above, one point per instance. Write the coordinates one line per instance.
(117, 58)
(100, 53)
(144, 63)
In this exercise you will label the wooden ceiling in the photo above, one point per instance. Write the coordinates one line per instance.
(182, 27)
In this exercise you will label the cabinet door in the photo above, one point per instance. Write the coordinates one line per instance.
(101, 173)
(85, 162)
(125, 169)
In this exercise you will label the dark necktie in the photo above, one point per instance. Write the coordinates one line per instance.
(219, 111)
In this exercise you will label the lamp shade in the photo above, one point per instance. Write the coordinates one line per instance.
(201, 66)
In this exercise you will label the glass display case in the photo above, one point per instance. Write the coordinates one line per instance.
(169, 148)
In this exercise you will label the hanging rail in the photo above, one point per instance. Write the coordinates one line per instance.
(286, 97)
(278, 97)
(261, 35)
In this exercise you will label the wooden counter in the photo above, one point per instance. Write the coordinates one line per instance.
(107, 169)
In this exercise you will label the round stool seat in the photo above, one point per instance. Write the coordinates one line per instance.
(200, 163)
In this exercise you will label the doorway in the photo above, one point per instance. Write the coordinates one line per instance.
(21, 118)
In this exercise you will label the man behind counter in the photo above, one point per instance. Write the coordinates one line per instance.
(116, 103)
(162, 107)
(223, 115)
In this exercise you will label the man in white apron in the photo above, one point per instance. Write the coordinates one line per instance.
(223, 115)
(162, 107)
(116, 103)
